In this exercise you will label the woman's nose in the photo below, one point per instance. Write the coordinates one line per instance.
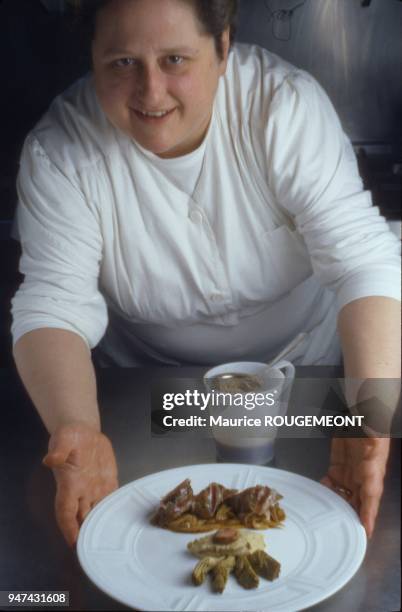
(151, 86)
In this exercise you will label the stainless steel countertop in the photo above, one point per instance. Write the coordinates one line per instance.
(33, 554)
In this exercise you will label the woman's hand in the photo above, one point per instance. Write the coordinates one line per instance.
(84, 466)
(356, 472)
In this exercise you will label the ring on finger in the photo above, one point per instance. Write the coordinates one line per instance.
(343, 490)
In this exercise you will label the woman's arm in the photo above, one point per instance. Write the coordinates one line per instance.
(56, 368)
(370, 332)
(313, 173)
(58, 312)
(370, 335)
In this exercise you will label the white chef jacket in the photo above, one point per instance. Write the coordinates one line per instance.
(272, 235)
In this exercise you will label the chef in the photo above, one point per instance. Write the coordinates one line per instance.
(193, 201)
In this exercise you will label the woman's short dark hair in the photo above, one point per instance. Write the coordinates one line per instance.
(214, 15)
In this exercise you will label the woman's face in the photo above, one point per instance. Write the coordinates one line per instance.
(156, 73)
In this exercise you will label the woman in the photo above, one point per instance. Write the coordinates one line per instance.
(210, 200)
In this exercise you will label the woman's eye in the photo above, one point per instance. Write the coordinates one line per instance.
(176, 60)
(124, 62)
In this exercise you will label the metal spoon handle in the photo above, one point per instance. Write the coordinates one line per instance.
(288, 348)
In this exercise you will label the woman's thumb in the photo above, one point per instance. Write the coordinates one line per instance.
(59, 453)
(54, 459)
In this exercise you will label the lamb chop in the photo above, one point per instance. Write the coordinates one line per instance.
(208, 500)
(257, 500)
(174, 504)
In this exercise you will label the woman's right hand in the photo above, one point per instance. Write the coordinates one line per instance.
(84, 466)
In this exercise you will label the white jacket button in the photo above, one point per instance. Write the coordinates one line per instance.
(216, 297)
(196, 216)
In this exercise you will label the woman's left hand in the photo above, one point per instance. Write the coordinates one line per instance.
(356, 472)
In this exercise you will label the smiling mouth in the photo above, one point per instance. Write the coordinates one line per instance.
(153, 116)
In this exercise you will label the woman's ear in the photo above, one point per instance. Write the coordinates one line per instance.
(225, 49)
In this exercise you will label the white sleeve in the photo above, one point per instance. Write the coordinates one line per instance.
(313, 174)
(61, 253)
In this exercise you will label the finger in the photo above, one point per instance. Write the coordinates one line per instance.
(355, 499)
(66, 508)
(340, 484)
(370, 496)
(99, 493)
(348, 492)
(327, 482)
(108, 488)
(84, 507)
(368, 513)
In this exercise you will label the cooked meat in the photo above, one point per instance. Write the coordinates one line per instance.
(227, 535)
(258, 500)
(209, 499)
(174, 504)
(216, 507)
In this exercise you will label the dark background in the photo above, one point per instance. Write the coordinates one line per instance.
(355, 51)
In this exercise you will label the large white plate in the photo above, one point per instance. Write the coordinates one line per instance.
(320, 547)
